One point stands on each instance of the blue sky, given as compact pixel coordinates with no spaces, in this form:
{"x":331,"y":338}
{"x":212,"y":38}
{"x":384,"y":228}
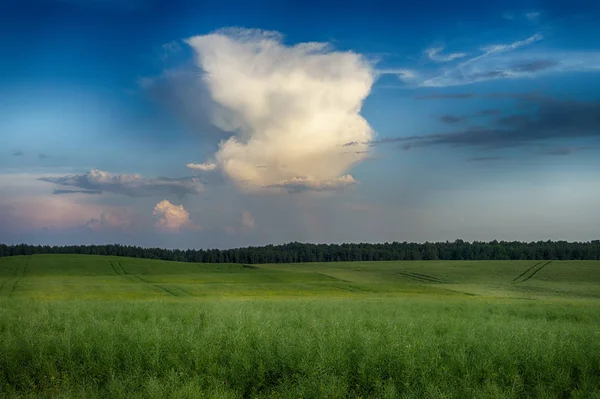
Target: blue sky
{"x":195,"y":124}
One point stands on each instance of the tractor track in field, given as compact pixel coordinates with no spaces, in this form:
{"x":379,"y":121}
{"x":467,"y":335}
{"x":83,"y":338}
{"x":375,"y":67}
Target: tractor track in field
{"x":526,"y":271}
{"x":8,"y":286}
{"x":531,"y":271}
{"x":537,"y":270}
{"x":114,"y":268}
{"x":120,"y":270}
{"x":422,"y":277}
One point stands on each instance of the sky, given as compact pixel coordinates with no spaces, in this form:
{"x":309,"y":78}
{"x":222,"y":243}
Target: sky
{"x":200,"y":124}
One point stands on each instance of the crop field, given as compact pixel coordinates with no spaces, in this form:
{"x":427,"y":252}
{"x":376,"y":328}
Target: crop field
{"x":76,"y":326}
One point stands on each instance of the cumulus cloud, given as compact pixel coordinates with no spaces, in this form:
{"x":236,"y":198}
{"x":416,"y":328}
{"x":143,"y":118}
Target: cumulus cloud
{"x":288,"y":108}
{"x":171,"y":218}
{"x":108,"y":220}
{"x":97,"y":181}
{"x":434,"y":55}
{"x":204,"y":167}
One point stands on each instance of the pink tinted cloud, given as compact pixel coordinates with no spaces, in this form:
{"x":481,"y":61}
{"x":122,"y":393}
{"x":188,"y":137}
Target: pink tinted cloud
{"x":56,"y":212}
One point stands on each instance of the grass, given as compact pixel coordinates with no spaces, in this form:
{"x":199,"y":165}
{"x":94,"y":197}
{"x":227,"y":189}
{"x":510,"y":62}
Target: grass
{"x":85,"y":326}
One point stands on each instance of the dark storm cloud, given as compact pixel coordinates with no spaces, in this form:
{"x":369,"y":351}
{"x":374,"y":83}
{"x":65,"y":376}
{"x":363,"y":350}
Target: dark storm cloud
{"x":488,"y":112}
{"x":567,"y":150}
{"x":129,"y":185}
{"x":452,"y":119}
{"x":440,"y":96}
{"x":551,"y":120}
{"x":59,"y":192}
{"x":484,"y":159}
{"x":526,"y":96}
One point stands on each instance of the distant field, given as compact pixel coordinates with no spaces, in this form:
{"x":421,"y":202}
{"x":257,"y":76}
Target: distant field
{"x":97,"y":277}
{"x":90,"y":326}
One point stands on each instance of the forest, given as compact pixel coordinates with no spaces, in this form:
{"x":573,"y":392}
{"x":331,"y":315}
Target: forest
{"x":296,"y":252}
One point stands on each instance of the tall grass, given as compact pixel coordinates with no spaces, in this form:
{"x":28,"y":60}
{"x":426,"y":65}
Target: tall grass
{"x":323,"y":348}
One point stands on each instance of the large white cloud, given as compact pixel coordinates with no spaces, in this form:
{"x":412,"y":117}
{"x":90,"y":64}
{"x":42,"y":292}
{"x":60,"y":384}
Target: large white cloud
{"x":290,"y":109}
{"x":171,"y":217}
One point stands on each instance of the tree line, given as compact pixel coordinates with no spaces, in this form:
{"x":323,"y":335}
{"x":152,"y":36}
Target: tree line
{"x":295,"y":252}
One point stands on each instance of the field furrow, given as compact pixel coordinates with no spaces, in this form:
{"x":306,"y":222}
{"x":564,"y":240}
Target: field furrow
{"x":114,"y":268}
{"x":170,"y":291}
{"x":526,"y":271}
{"x":9,"y":285}
{"x":537,"y":270}
{"x":421,"y":277}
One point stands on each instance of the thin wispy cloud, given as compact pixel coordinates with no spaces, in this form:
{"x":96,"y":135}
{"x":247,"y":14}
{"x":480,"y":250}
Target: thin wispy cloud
{"x":498,"y":48}
{"x":567,"y":150}
{"x":530,"y":16}
{"x":171,"y":47}
{"x":403,"y":73}
{"x":434,"y":54}
{"x":204,"y":167}
{"x":504,"y":61}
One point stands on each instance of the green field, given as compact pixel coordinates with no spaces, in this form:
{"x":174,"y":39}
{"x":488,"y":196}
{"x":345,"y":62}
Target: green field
{"x":90,"y":326}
